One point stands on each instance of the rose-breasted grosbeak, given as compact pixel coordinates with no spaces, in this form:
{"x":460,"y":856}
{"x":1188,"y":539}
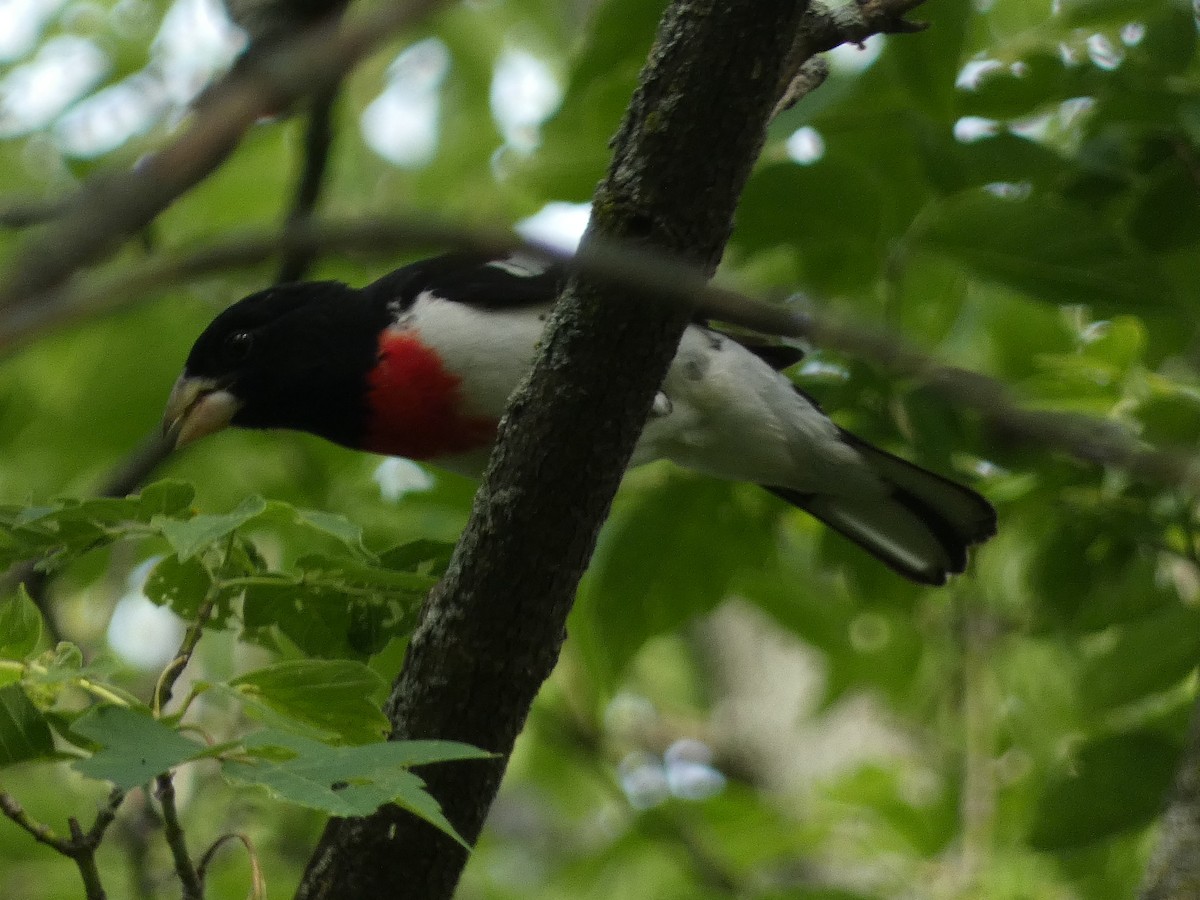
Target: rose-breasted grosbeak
{"x":422,"y":362}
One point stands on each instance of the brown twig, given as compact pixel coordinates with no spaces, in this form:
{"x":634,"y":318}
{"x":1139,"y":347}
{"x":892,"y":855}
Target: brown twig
{"x":258,"y":884}
{"x":40,"y":832}
{"x":80,"y":847}
{"x":173,"y":832}
{"x":176,"y":838}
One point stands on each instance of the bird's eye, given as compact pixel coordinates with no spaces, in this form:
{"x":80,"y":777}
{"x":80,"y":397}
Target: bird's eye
{"x":237,"y":345}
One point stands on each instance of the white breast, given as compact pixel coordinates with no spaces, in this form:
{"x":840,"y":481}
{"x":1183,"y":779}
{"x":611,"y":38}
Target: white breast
{"x":728,"y":413}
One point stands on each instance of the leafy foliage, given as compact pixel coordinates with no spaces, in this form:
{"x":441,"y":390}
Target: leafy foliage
{"x":212,"y":565}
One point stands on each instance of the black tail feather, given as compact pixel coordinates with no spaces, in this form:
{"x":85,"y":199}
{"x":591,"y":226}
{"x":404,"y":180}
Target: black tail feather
{"x":922,"y":528}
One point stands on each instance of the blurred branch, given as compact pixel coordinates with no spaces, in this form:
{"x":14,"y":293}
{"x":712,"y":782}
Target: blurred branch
{"x":114,"y":205}
{"x":1085,"y":438}
{"x":24,"y":213}
{"x":318,"y":139}
{"x":135,"y":830}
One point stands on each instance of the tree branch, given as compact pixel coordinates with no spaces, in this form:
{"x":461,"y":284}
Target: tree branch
{"x":80,"y":847}
{"x":318,"y":139}
{"x":113,"y":206}
{"x":1085,"y":438}
{"x":1174,"y":869}
{"x":490,"y":632}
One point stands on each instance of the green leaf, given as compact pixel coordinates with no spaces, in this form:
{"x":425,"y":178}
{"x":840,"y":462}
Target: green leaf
{"x":1113,"y":784}
{"x":1041,"y":246}
{"x":348,"y":781}
{"x":431,"y":556}
{"x":179,"y":584}
{"x":165,"y":498}
{"x":189,"y":537}
{"x":136,"y":746}
{"x":335,"y":607}
{"x":311,"y":529}
{"x":349,"y":533}
{"x":927,"y":68}
{"x":670,"y":552}
{"x":332,"y":695}
{"x":24,"y":734}
{"x":20,"y":626}
{"x":1166,"y":211}
{"x":1150,"y":654}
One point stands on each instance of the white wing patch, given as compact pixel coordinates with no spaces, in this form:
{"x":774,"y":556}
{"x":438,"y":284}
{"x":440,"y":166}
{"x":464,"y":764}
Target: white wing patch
{"x":520,"y":265}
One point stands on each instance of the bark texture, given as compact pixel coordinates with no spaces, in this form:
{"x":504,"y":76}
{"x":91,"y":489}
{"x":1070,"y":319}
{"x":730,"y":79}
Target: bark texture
{"x":491,"y":631}
{"x":1174,"y":870}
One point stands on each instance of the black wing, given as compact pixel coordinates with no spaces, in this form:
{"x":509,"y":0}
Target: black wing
{"x":474,"y":279}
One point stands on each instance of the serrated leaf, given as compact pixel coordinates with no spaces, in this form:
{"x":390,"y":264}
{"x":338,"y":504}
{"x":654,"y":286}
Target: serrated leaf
{"x":189,"y":537}
{"x":332,"y":695}
{"x":1114,"y":784}
{"x":179,"y":584}
{"x":348,"y":781}
{"x":24,"y":734}
{"x":311,"y":529}
{"x":20,"y":625}
{"x":335,"y":607}
{"x":136,"y":746}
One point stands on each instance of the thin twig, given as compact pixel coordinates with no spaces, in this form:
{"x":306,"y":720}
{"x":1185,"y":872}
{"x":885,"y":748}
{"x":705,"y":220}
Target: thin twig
{"x":41,"y":833}
{"x":105,"y":817}
{"x":166,"y":681}
{"x":258,"y":883}
{"x":173,"y":831}
{"x":80,"y":847}
{"x":85,"y":859}
{"x":176,"y":838}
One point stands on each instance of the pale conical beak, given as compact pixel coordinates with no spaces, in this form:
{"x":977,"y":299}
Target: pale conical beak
{"x":196,"y":407}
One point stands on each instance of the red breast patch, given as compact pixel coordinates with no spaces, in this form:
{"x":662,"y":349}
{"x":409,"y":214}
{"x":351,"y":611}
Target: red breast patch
{"x":416,"y":404}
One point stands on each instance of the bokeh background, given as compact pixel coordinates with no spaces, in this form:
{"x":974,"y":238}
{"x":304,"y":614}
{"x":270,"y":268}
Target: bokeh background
{"x":746,"y":706}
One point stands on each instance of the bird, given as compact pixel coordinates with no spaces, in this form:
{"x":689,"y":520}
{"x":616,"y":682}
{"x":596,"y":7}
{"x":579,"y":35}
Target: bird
{"x":421,"y":362}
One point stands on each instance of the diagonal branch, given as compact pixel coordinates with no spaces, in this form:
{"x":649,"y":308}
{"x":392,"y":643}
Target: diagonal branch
{"x":491,"y":631}
{"x":115,"y":205}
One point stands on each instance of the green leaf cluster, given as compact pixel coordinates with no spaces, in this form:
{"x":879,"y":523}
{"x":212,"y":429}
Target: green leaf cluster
{"x":322,"y":746}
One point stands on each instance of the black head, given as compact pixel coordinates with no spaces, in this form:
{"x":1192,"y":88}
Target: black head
{"x":295,"y":356}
